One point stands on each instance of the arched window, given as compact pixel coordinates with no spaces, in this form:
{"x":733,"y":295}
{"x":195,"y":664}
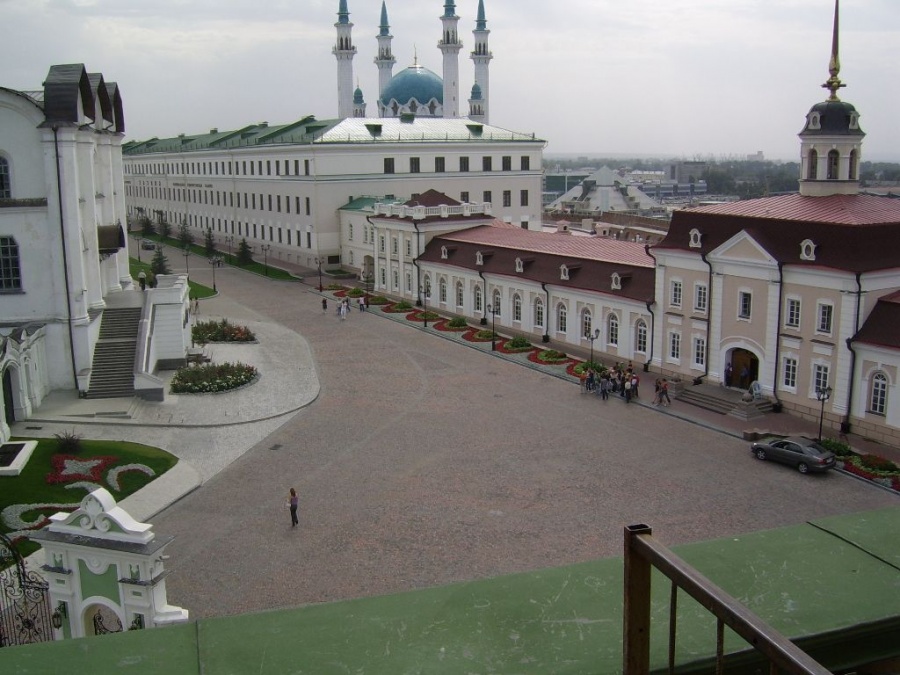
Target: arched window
{"x":517,"y":308}
{"x":10,"y":274}
{"x":459,"y":294}
{"x":478,"y":299}
{"x":561,"y":313}
{"x":442,"y":289}
{"x":854,"y":163}
{"x":612,"y":330}
{"x":586,"y":322}
{"x":812,"y":168}
{"x":539,"y":312}
{"x":5,"y":187}
{"x":427,"y":285}
{"x":878,"y":400}
{"x":833,"y":158}
{"x":640,"y":337}
{"x":496,"y":301}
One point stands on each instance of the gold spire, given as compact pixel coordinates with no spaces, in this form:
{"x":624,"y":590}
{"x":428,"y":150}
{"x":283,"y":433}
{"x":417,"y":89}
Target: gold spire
{"x":834,"y":64}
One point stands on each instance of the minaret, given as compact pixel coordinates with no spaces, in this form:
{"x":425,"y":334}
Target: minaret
{"x":831,"y":140}
{"x":385,"y":59}
{"x":476,"y":105}
{"x":482,"y":56}
{"x":359,"y":104}
{"x":450,"y":46}
{"x":344,"y":51}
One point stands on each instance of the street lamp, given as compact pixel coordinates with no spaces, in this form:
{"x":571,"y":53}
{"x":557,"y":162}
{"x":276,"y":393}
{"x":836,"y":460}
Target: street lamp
{"x":215,"y":261}
{"x":265,"y":249}
{"x":592,"y":337}
{"x":493,"y":310}
{"x":229,"y":240}
{"x":823,"y":394}
{"x":186,"y":252}
{"x":425,"y":305}
{"x":319,"y":262}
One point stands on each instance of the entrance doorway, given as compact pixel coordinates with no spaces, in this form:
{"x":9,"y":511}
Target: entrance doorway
{"x":9,"y":409}
{"x":744,"y":368}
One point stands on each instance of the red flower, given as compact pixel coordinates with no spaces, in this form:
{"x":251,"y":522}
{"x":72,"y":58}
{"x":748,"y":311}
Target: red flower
{"x":69,"y":468}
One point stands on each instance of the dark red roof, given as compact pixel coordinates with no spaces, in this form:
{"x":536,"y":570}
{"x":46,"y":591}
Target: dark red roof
{"x":855,"y":233}
{"x":882,"y":326}
{"x":591,"y":260}
{"x":433,"y":198}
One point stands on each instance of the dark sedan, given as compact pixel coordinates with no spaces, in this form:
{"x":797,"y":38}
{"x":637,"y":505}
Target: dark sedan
{"x":803,"y":453}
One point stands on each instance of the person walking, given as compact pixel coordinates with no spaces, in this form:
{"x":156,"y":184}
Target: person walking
{"x":664,"y":393}
{"x":293,"y":503}
{"x":324,"y":305}
{"x":727,"y":381}
{"x":604,"y":386}
{"x":142,"y":280}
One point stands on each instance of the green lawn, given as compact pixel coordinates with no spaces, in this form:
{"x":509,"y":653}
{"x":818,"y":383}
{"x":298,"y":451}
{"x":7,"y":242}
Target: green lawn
{"x":35,"y":484}
{"x":197,"y":290}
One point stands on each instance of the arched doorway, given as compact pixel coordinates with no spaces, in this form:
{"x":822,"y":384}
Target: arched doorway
{"x":9,"y":407}
{"x":100,"y":620}
{"x":744,"y":367}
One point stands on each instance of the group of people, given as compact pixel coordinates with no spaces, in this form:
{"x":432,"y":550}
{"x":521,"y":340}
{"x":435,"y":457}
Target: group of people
{"x":623,"y":381}
{"x":343,"y":307}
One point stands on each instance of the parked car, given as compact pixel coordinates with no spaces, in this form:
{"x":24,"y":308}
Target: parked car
{"x":148,"y":244}
{"x":803,"y":453}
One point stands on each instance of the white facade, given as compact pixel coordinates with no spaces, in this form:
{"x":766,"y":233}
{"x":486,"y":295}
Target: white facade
{"x":288,"y":194}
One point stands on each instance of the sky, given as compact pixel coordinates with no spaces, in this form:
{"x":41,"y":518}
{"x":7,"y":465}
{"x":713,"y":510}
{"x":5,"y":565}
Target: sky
{"x":667,"y":78}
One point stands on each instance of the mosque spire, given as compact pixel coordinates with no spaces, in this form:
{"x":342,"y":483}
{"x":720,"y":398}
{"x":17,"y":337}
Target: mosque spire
{"x":481,"y":56}
{"x":343,"y":12}
{"x":449,"y":44}
{"x":480,"y":21}
{"x":344,"y":51}
{"x":834,"y":64}
{"x":384,"y":60}
{"x":385,"y":27}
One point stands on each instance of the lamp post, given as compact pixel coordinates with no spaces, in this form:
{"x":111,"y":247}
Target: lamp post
{"x":229,"y":240}
{"x":823,"y":394}
{"x":215,"y":261}
{"x":319,"y":262}
{"x":186,"y":252}
{"x":425,"y":305}
{"x":592,"y":336}
{"x":265,"y":249}
{"x":493,"y":311}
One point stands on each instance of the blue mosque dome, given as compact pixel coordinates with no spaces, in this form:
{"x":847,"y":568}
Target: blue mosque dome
{"x":416,"y":82}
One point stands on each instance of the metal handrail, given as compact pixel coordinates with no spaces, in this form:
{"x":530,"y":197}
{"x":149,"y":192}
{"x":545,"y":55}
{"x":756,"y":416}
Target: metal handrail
{"x":642,"y":553}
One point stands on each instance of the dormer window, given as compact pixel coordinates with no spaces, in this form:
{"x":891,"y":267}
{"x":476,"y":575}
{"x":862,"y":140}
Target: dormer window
{"x":444,"y":255}
{"x":807,"y":250}
{"x":564,"y":272}
{"x":616,"y":281}
{"x":854,"y":120}
{"x":695,"y":238}
{"x":479,"y":259}
{"x":520,"y":266}
{"x":815,"y":121}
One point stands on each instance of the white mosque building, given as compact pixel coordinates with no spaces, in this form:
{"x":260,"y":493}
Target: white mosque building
{"x":415,"y":90}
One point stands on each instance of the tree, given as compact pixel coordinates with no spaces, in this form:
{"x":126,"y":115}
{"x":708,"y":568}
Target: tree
{"x":147,"y":227}
{"x":209,"y":244}
{"x":159,"y":264}
{"x":245,"y":253}
{"x":165,"y":230}
{"x":185,"y":236}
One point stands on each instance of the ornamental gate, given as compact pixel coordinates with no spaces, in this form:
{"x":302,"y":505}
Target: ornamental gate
{"x":24,"y":605}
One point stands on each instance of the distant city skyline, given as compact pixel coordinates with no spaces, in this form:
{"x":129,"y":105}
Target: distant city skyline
{"x":678,"y":79}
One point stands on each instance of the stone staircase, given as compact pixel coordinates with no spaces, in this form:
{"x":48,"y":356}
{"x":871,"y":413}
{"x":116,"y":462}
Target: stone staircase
{"x":724,"y":401}
{"x":112,"y":373}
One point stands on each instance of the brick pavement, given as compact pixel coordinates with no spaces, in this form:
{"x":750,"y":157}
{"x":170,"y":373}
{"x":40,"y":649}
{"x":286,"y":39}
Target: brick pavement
{"x":422,"y":463}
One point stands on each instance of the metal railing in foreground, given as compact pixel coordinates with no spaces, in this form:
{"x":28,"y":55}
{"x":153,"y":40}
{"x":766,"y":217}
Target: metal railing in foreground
{"x":642,"y":554}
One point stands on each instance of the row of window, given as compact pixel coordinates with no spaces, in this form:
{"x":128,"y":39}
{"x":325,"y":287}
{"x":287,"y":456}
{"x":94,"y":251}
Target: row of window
{"x":272,"y":203}
{"x":440,"y":164}
{"x":824,"y":312}
{"x":249,"y":230}
{"x":221,"y":168}
{"x":832,"y":166}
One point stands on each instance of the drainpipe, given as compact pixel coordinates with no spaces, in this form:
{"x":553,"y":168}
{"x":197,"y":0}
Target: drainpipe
{"x":62,"y":238}
{"x":545,"y":338}
{"x":374,"y":252}
{"x":419,"y":290}
{"x":777,"y":405}
{"x":652,"y":315}
{"x":709,"y":304}
{"x":845,"y":423}
{"x":483,"y":320}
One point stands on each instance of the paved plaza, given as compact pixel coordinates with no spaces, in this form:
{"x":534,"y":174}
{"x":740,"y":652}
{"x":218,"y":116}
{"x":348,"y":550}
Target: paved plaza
{"x":420,"y":461}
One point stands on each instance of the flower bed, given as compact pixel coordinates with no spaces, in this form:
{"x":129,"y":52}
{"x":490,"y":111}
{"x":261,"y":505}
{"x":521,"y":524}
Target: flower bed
{"x":550,"y":357}
{"x":378,"y":300}
{"x":212,"y":377}
{"x":517,"y":345}
{"x":477,"y":335}
{"x":397,"y":308}
{"x":861,"y":465}
{"x":220,"y":331}
{"x":422,"y":316}
{"x":444,"y":325}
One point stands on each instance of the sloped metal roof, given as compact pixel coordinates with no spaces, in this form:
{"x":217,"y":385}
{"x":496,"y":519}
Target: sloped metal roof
{"x":420,"y":129}
{"x":836,"y":209}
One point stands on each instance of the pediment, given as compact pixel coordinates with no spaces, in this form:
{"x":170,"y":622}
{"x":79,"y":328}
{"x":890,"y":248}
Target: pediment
{"x":99,"y":517}
{"x":743,"y":248}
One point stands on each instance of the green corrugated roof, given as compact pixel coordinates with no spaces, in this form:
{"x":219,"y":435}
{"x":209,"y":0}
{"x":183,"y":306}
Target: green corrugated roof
{"x":361,"y":203}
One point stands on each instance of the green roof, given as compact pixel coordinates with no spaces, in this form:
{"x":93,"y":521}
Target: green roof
{"x":832,"y":585}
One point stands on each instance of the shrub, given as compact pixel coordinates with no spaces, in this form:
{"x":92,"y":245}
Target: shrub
{"x":485,"y":335}
{"x":212,"y":377}
{"x":552,"y":355}
{"x":68,"y":442}
{"x":599,"y":368}
{"x":403,"y":306}
{"x":877,"y":463}
{"x":221,"y":331}
{"x":377,"y":300}
{"x":837,"y":447}
{"x":457,"y":322}
{"x":518,"y":342}
{"x":334,"y":287}
{"x":356,"y":293}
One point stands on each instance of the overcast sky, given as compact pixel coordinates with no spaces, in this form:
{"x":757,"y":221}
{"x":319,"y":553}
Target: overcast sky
{"x":648,"y":77}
